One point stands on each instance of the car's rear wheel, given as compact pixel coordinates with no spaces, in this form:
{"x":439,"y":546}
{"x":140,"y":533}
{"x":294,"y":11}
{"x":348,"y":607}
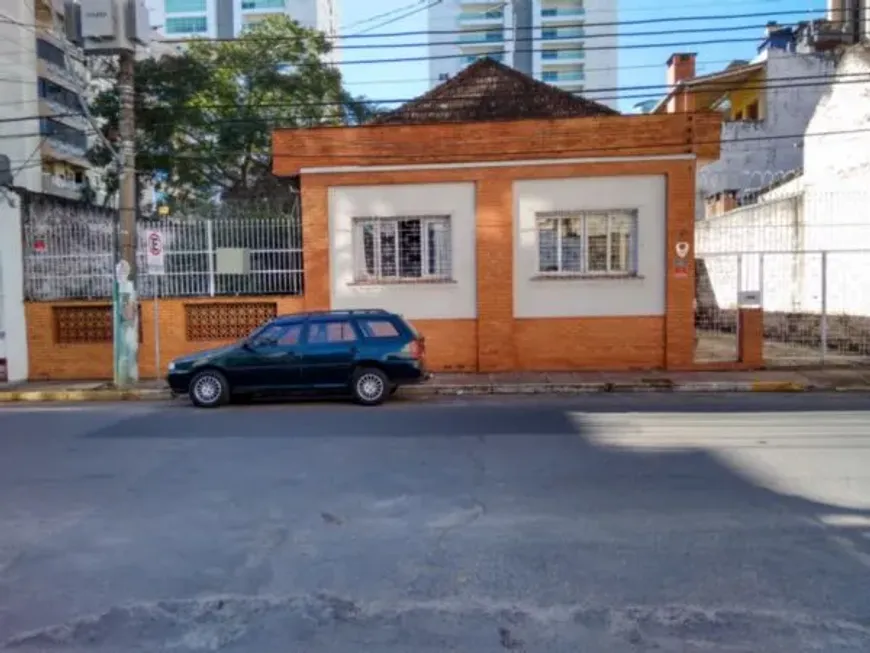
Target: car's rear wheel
{"x":209,"y":389}
{"x":370,"y":386}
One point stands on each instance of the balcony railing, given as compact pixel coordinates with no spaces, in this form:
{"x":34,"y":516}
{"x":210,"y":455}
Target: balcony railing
{"x":557,"y":34}
{"x":558,"y":13}
{"x":481,"y":37}
{"x":67,"y":148}
{"x":481,"y":15}
{"x":497,"y":56}
{"x":560,"y":55}
{"x":63,"y":73}
{"x":248,"y":5}
{"x":54,"y":185}
{"x":550,"y":76}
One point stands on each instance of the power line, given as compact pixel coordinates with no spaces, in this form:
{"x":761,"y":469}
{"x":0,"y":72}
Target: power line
{"x":587,"y":24}
{"x":805,"y":81}
{"x":612,"y":23}
{"x":585,"y":37}
{"x":495,"y":145}
{"x":385,"y":14}
{"x":500,"y":50}
{"x":400,"y":17}
{"x":711,"y":62}
{"x":548,"y":153}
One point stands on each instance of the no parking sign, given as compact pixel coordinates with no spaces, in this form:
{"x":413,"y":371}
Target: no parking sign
{"x":156,"y":256}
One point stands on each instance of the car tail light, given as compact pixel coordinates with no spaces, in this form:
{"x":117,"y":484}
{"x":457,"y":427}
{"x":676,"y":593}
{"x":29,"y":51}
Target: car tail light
{"x":416,"y":349}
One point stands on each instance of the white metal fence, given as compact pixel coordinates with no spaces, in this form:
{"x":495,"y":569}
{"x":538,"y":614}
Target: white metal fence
{"x":75,"y":260}
{"x":808,"y":253}
{"x":816,"y":304}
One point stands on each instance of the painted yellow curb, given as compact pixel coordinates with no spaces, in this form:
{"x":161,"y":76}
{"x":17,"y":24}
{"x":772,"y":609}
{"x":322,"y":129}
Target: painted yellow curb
{"x":25,"y":396}
{"x":778,"y":386}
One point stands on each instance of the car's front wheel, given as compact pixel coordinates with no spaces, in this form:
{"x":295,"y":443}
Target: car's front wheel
{"x":209,"y":389}
{"x":370,"y":386}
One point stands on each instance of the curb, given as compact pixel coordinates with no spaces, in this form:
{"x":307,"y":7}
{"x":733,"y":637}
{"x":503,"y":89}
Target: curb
{"x":37,"y":396}
{"x":471,"y":389}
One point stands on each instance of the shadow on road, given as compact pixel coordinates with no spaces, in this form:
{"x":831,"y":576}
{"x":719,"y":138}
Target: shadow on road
{"x":484,"y":528}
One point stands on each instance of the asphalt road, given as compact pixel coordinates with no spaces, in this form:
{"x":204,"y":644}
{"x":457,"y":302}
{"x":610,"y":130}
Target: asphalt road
{"x":611,"y":524}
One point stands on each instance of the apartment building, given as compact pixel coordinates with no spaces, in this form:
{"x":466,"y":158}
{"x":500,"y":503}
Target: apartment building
{"x":44,"y":130}
{"x":568,"y":43}
{"x":45,"y":135}
{"x":183,"y":19}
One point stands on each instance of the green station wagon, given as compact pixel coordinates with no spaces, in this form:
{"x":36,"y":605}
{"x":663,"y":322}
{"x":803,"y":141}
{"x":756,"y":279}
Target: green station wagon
{"x":365,"y":353}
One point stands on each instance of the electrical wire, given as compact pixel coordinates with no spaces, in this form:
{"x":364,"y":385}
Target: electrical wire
{"x":386,"y":14}
{"x":401,"y":17}
{"x":587,"y":24}
{"x":805,"y":81}
{"x":535,"y":39}
{"x":419,"y":80}
{"x":526,"y":154}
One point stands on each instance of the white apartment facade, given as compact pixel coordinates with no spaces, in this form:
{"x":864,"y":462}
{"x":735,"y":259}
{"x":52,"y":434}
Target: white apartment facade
{"x":184,"y":19}
{"x":45,"y":135}
{"x":571,"y":44}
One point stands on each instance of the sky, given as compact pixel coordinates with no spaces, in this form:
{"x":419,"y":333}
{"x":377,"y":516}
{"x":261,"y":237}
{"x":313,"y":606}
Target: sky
{"x":638,"y":66}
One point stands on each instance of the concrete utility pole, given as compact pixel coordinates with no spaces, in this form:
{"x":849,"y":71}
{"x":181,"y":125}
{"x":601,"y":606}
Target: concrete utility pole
{"x":117,"y":27}
{"x":126,"y":301}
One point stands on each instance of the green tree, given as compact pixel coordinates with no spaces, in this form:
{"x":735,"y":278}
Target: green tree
{"x":205,"y":115}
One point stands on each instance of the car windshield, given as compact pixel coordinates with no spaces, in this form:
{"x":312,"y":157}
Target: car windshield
{"x":257,"y":334}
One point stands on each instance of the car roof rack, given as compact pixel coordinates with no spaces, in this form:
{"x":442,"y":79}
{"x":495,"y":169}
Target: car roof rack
{"x":338,"y":312}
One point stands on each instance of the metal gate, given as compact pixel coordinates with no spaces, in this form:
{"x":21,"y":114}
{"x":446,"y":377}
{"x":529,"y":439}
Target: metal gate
{"x":816,"y":305}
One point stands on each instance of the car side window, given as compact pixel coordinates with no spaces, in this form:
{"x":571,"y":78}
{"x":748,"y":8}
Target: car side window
{"x":268,"y":336}
{"x":291,"y":335}
{"x":278,"y":334}
{"x":321,"y":333}
{"x":378,"y":329}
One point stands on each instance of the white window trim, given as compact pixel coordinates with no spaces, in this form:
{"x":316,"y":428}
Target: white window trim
{"x":584,"y":271}
{"x":358,"y":248}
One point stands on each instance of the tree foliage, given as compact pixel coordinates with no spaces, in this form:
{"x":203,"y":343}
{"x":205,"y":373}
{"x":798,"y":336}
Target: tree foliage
{"x":205,"y":114}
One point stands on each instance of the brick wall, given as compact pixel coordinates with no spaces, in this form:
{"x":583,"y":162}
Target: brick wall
{"x":504,"y":343}
{"x":52,"y":360}
{"x":619,"y":136}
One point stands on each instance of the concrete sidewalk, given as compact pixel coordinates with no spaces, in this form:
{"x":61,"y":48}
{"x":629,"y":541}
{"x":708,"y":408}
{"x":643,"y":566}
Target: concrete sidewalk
{"x":803,"y":380}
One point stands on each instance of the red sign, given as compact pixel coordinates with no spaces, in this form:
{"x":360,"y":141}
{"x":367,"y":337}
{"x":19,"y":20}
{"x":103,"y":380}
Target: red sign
{"x":39,"y":246}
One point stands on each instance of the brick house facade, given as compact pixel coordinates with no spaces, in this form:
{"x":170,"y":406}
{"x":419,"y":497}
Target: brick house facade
{"x":562,"y":221}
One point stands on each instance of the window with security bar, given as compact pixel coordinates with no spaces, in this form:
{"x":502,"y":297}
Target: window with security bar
{"x":403,"y":248}
{"x":597,"y":243}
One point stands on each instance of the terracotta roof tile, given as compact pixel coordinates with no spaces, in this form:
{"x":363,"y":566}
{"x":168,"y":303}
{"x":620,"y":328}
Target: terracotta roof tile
{"x":488,"y":90}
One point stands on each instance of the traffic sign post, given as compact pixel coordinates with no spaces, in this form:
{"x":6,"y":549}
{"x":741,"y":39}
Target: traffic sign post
{"x":156,"y":266}
{"x":155,"y":259}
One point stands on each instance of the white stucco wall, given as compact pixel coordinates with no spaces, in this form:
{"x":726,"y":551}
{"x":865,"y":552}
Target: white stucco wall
{"x":779,"y":244}
{"x":644,"y":295}
{"x":757,"y":154}
{"x":449,"y":300}
{"x":19,"y":140}
{"x":842,"y":159}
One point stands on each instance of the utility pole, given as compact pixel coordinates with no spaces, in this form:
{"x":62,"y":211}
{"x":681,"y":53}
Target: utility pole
{"x":117,"y":27}
{"x":125,"y":296}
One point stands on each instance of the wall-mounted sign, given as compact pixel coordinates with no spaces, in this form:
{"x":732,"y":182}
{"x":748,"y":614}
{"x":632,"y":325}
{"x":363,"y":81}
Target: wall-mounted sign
{"x":682,"y":249}
{"x":749,"y":298}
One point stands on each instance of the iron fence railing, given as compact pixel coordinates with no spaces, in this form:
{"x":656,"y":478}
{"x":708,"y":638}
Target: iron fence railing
{"x":76,"y":260}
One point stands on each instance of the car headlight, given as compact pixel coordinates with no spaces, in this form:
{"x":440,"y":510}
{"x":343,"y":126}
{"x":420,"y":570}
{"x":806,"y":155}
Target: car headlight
{"x":172,"y":366}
